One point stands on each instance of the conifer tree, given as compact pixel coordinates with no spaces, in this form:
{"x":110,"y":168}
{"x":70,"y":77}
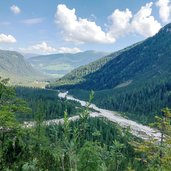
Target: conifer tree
{"x":156,"y":153}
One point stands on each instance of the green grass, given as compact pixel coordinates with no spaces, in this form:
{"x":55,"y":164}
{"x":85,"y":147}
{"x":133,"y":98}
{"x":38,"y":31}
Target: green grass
{"x":57,"y":67}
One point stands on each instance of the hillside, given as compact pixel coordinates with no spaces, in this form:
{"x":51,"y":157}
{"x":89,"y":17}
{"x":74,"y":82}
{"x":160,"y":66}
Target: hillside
{"x":28,"y":55}
{"x":13,"y":66}
{"x":57,"y":65}
{"x":136,"y":81}
{"x":79,"y":74}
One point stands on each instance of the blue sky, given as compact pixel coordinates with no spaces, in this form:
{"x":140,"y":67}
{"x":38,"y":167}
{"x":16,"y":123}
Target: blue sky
{"x":56,"y":26}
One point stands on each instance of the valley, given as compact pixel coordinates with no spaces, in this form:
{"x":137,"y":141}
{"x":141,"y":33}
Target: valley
{"x":57,"y":65}
{"x":19,"y":71}
{"x":85,"y":85}
{"x":143,"y":69}
{"x":138,"y":130}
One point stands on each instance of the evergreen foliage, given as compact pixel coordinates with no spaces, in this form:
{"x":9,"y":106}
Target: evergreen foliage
{"x":88,"y":144}
{"x":51,"y":106}
{"x":135,"y":81}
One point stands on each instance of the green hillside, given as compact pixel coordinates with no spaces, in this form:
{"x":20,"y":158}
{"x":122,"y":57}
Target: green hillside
{"x":79,"y":74}
{"x":137,"y":81}
{"x":58,"y":65}
{"x":13,"y":66}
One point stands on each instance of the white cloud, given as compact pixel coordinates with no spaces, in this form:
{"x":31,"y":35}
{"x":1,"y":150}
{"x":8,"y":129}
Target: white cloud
{"x":78,"y":29}
{"x":44,"y":48}
{"x":121,"y":23}
{"x":144,"y":23}
{"x":7,"y":38}
{"x":68,"y":50}
{"x":164,"y":10}
{"x":32,"y":21}
{"x":15,"y":9}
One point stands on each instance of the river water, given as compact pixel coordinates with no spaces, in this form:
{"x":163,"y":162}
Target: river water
{"x":137,"y":129}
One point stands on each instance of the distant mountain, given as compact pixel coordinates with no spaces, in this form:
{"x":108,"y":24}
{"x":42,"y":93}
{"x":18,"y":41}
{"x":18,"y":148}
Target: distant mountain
{"x":137,"y":80}
{"x":29,"y":55}
{"x":79,"y":74}
{"x":13,"y":66}
{"x":58,"y":65}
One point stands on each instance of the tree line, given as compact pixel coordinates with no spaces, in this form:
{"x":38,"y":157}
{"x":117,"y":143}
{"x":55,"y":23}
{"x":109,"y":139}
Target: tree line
{"x":89,"y":144}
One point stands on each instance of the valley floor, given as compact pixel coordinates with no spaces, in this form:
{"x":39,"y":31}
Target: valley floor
{"x":137,"y":129}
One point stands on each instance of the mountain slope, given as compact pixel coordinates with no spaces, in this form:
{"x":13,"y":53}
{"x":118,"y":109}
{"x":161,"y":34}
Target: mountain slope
{"x":137,"y":81}
{"x":58,"y":65}
{"x":13,"y":66}
{"x":145,"y":60}
{"x":78,"y":75}
{"x":29,"y":55}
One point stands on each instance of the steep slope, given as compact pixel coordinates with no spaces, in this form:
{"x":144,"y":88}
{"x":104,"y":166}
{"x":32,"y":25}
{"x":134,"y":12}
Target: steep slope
{"x":146,"y":60}
{"x":78,"y":75}
{"x":29,"y":55}
{"x":137,"y":81}
{"x":58,"y":65}
{"x":13,"y":66}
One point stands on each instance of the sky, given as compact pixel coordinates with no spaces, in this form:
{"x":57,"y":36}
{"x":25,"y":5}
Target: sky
{"x":71,"y":26}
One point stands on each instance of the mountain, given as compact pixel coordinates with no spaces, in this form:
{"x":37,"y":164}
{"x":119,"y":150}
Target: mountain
{"x":79,"y":74}
{"x":136,"y":81}
{"x":29,"y":55}
{"x":58,"y":65}
{"x":13,"y":66}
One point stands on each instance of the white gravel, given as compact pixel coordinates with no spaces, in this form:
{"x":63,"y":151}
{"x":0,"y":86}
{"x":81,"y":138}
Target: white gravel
{"x":137,"y":129}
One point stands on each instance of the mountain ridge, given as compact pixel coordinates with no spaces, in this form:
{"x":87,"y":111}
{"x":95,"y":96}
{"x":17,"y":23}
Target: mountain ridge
{"x":60,"y":64}
{"x":13,"y":66}
{"x":130,"y":64}
{"x":136,"y":82}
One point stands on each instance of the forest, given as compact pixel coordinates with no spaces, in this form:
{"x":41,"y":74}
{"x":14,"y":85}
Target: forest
{"x":89,"y":144}
{"x":134,"y":81}
{"x":141,"y":102}
{"x":46,"y":102}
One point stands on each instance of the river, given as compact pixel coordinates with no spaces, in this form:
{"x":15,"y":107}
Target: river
{"x":137,"y":129}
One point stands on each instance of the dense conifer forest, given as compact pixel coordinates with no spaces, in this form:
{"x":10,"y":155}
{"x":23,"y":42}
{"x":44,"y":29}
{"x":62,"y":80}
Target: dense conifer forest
{"x":89,"y":144}
{"x":134,"y":81}
{"x":85,"y":85}
{"x":139,"y":103}
{"x":46,"y":102}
